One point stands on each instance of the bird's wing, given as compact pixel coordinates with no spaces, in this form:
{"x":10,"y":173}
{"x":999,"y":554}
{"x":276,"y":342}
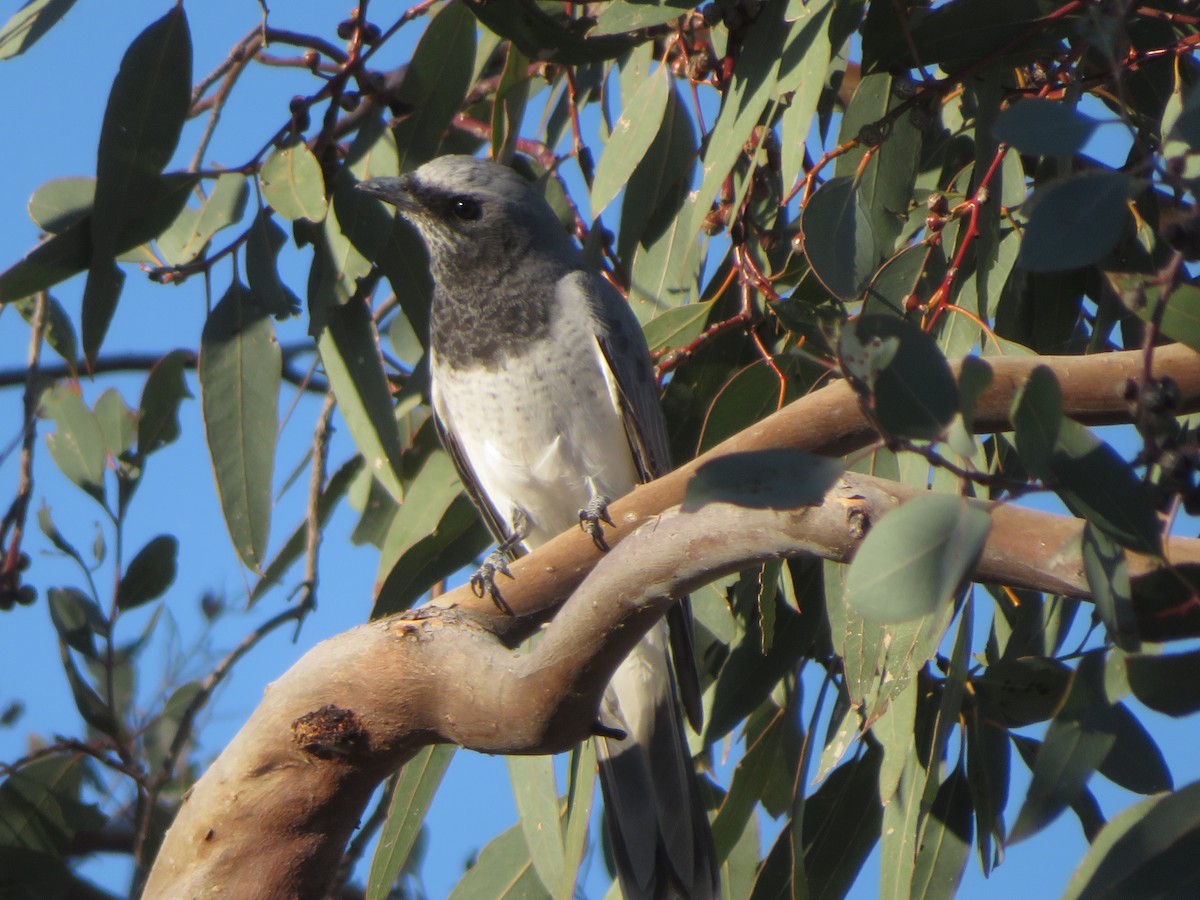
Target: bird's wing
{"x":623,"y":353}
{"x":500,"y":529}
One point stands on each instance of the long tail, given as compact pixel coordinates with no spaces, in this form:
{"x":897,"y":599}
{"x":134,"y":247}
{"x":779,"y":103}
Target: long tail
{"x":657,"y":823}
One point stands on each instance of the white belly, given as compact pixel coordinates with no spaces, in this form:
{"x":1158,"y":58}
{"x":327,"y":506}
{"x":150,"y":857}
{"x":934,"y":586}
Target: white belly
{"x":543,"y":436}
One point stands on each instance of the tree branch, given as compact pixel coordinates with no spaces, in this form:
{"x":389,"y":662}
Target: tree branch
{"x":274,"y":811}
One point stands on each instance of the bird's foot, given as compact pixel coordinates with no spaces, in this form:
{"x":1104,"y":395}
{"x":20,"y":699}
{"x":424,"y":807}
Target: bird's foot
{"x":484,"y":579}
{"x":590,"y":518}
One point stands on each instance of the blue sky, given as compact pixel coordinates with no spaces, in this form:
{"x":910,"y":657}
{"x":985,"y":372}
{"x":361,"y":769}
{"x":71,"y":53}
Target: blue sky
{"x":53,"y":100}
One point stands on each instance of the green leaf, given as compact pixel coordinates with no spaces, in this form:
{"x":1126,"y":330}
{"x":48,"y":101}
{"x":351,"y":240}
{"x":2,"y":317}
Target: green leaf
{"x":966,"y":31}
{"x":623,"y":16}
{"x":1108,"y":577}
{"x":1022,"y":690}
{"x":750,"y":674}
{"x":884,"y":185}
{"x":69,"y":253}
{"x":1186,"y":123}
{"x":147,"y":106}
{"x":149,"y":573}
{"x":916,"y":558}
{"x":503,"y":871}
{"x":62,"y":202}
{"x":458,"y":539}
{"x":190,"y":234}
{"x":841,"y":825}
{"x":749,"y":781}
{"x":240,"y":373}
{"x":41,"y":810}
{"x":988,"y":755}
{"x":100,"y":294}
{"x":839,"y":239}
{"x":1169,"y":683}
{"x":349,"y":350}
{"x":536,"y":797}
{"x":900,"y":832}
{"x":1150,"y":846}
{"x":581,"y":789}
{"x":1097,"y":484}
{"x":292,"y":549}
{"x":545,"y":31}
{"x":27,"y":25}
{"x":435,"y":85}
{"x":802,"y":71}
{"x":91,"y":707}
{"x":1037,"y":418}
{"x":752,"y":88}
{"x":675,"y":328}
{"x":118,"y":423}
{"x":1044,"y":127}
{"x":50,"y":530}
{"x":908,"y":384}
{"x":1077,"y":742}
{"x":945,"y":840}
{"x":56,"y":327}
{"x":292,"y":183}
{"x":914,"y":271}
{"x":164,"y":391}
{"x":1180,"y":315}
{"x":263,"y":244}
{"x":77,"y":619}
{"x":763,"y":479}
{"x":1075,"y":221}
{"x":1135,"y":761}
{"x":632,"y":135}
{"x":411,"y":798}
{"x":77,"y":444}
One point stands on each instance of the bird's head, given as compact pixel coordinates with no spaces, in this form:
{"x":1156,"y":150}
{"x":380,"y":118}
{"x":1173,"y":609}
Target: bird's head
{"x":473,"y":212}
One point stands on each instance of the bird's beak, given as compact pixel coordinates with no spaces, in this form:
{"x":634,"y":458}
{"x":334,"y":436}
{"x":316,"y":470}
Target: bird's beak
{"x":396,"y":191}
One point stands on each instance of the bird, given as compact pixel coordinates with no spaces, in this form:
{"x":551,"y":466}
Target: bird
{"x":544,"y":396}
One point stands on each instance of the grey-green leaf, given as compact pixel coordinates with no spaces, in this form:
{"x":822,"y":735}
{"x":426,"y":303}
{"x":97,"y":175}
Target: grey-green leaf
{"x":1044,"y":127}
{"x":916,"y":558}
{"x":839,"y":239}
{"x":27,"y":25}
{"x":1152,"y":842}
{"x":411,"y":798}
{"x":292,"y":183}
{"x":77,"y":445}
{"x":1075,"y":221}
{"x":349,"y":349}
{"x":632,"y":134}
{"x":240,"y":373}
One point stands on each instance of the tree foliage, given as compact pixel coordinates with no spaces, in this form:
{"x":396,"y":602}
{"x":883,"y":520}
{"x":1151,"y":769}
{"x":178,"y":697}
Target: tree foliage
{"x":789,"y":193}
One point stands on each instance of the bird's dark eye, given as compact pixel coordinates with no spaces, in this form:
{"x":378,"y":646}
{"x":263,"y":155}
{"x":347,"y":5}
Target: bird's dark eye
{"x":466,"y":208}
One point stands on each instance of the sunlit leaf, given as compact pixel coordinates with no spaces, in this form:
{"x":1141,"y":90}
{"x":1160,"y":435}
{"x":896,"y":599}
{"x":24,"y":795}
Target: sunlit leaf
{"x":411,"y":797}
{"x":916,"y":558}
{"x":292,"y":183}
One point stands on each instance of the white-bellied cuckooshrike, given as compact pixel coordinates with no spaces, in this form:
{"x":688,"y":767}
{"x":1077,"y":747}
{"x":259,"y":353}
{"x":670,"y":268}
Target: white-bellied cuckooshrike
{"x":546,"y":400}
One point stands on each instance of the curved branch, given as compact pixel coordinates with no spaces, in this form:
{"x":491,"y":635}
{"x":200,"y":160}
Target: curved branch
{"x":274,"y":811}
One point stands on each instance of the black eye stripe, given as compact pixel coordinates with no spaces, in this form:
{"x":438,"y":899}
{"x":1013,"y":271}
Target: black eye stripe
{"x":466,"y":208}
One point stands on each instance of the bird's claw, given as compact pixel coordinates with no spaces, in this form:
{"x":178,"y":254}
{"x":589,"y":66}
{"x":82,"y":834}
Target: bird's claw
{"x":590,"y":518}
{"x":484,"y":579}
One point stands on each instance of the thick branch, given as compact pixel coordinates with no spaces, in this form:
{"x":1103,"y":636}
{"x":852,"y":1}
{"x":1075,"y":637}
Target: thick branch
{"x":273,"y":813}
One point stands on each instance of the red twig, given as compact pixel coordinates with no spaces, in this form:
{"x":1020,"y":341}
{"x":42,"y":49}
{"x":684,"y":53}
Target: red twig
{"x":970,"y":207}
